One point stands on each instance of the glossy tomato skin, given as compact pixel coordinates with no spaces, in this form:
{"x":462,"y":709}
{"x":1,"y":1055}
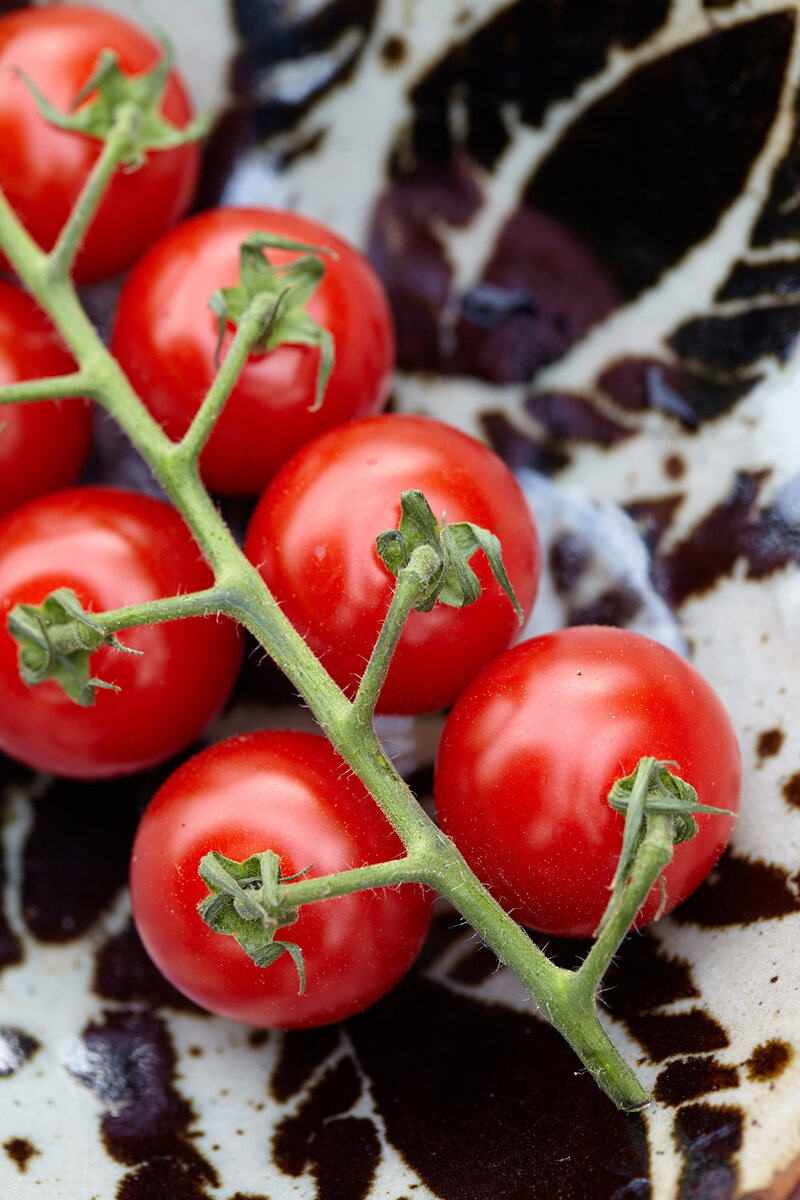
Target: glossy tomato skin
{"x":288,"y":792}
{"x":313,"y":533}
{"x":45,"y":445}
{"x":42,"y":168}
{"x":113,"y":548}
{"x":165,"y":337}
{"x":529,"y":754}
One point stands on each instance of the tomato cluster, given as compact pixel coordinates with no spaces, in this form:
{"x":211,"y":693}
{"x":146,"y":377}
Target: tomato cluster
{"x":530,"y":752}
{"x":313,"y":534}
{"x":538,"y":732}
{"x":290,"y":792}
{"x":43,"y":445}
{"x":43,"y":169}
{"x":165,"y":338}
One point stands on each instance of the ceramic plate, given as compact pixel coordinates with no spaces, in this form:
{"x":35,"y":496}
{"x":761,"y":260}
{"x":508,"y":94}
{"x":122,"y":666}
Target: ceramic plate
{"x":587,"y":218}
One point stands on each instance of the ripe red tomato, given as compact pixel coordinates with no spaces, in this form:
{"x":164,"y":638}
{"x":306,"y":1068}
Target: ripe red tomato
{"x":529,"y":754}
{"x":43,"y":446}
{"x":113,"y":548}
{"x":312,"y":537}
{"x":166,"y":339}
{"x":42,"y":168}
{"x":288,"y":792}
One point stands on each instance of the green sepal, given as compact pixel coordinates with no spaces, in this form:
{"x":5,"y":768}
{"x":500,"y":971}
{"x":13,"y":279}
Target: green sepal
{"x":455,"y":584}
{"x":245,"y":902}
{"x":291,"y":285}
{"x":666,"y":794}
{"x":113,"y":88}
{"x":56,"y":640}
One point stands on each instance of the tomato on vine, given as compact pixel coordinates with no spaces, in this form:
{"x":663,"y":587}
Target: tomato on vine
{"x":166,"y":338}
{"x":43,"y":445}
{"x":313,"y":533}
{"x":57,"y":48}
{"x":531,"y":749}
{"x":288,"y":792}
{"x":113,"y":548}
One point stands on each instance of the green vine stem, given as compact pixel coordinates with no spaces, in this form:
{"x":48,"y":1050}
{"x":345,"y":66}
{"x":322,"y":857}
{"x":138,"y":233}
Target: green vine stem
{"x":54,"y":387}
{"x":250,"y":331}
{"x":63,"y":254}
{"x":67,"y":636}
{"x":412,"y":582}
{"x":566,"y":998}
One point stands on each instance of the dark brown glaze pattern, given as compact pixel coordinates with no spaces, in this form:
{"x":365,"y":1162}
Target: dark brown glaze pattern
{"x":746,"y":280}
{"x":410,"y":258}
{"x":769,"y":743}
{"x":128,"y":1060}
{"x":712,"y":102}
{"x":540,"y":291}
{"x":664,"y":1034}
{"x":76,"y":855}
{"x":328,"y":38}
{"x":124,"y":973}
{"x":301,"y":1054}
{"x":769,"y":1060}
{"x":791,"y":790}
{"x":708,"y":1137}
{"x":687,"y":1079}
{"x":461,"y":1084}
{"x":724,"y":535}
{"x":19,"y":1150}
{"x":733,"y":343}
{"x":11,"y":951}
{"x":741,"y":891}
{"x":16,"y":1048}
{"x":575,"y":419}
{"x":531,"y":54}
{"x":340,"y":1150}
{"x":607,"y":241}
{"x":520,"y":450}
{"x":780,"y":216}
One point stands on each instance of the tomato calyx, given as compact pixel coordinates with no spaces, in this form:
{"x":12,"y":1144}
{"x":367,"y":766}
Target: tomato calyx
{"x":290,"y":286}
{"x":454,"y":583}
{"x":651,"y":795}
{"x":56,"y":640}
{"x":111,"y":92}
{"x":246,"y":901}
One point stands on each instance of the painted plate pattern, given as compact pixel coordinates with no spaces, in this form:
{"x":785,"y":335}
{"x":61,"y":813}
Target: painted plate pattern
{"x":587,"y":217}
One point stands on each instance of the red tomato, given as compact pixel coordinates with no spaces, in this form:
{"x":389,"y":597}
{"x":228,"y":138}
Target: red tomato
{"x":42,"y":168}
{"x":166,"y":340}
{"x":43,"y":446}
{"x":113,"y":548}
{"x":313,"y":534}
{"x":529,"y":754}
{"x":290,"y":793}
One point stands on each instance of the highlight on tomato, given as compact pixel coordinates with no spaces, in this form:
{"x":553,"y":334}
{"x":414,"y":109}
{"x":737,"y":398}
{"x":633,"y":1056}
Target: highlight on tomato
{"x":532,"y":748}
{"x":167,"y":341}
{"x":57,"y":47}
{"x":112,"y":548}
{"x":288,"y":792}
{"x":43,"y":445}
{"x":312,"y":537}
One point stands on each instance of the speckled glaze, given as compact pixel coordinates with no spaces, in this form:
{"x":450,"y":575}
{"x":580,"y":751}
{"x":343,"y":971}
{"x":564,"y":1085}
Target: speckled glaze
{"x":587,"y":217}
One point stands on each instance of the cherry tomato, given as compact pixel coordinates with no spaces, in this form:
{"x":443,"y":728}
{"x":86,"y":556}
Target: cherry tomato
{"x":313,"y":533}
{"x":288,"y":792}
{"x":42,"y":168}
{"x":166,"y":340}
{"x":113,"y":548}
{"x":531,"y":749}
{"x":45,"y":445}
